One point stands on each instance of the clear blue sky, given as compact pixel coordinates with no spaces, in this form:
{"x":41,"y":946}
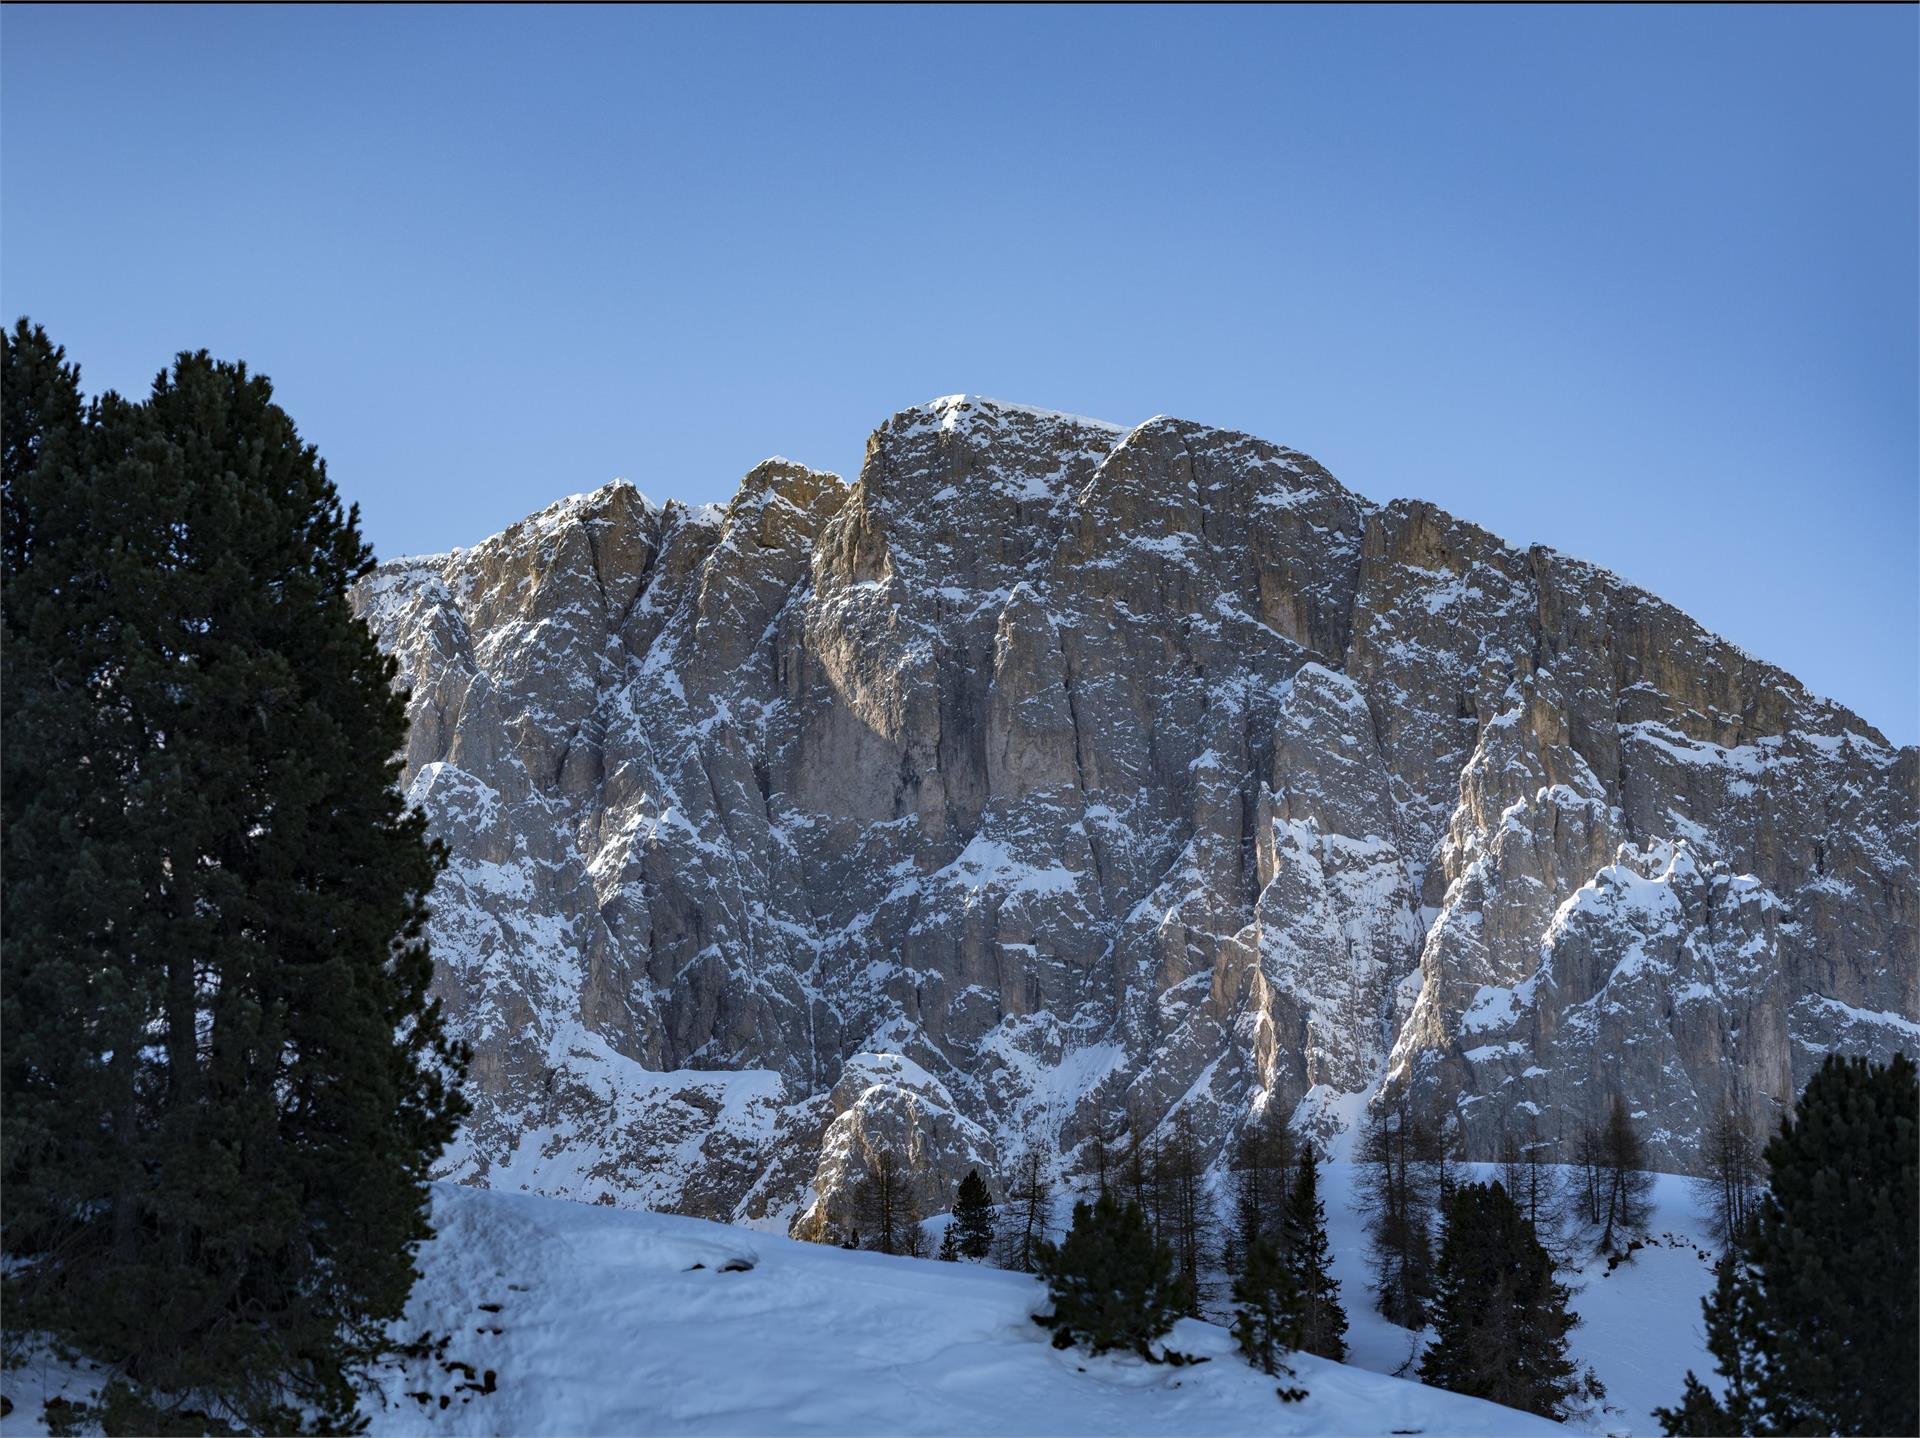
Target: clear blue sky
{"x":1638,"y":283}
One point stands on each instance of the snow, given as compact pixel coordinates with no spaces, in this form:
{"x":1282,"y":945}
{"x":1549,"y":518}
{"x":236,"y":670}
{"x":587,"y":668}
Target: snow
{"x":596,"y":1320}
{"x":1866,"y":1016}
{"x":606,"y":1326}
{"x":948,"y":409}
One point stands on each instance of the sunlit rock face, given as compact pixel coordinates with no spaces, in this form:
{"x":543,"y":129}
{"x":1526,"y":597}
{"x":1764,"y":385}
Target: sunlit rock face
{"x":1056,"y":777}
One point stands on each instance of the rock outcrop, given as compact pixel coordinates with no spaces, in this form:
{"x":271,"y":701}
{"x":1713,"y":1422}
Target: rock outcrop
{"x":1056,"y":777}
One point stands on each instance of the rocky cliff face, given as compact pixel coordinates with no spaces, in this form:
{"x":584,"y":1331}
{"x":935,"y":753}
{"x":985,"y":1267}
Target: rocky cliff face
{"x":1056,"y":777}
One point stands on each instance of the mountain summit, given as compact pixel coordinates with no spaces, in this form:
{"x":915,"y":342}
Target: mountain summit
{"x":1057,"y":777}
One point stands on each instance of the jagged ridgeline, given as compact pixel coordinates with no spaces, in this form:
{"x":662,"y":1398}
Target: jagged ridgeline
{"x":1057,"y":776}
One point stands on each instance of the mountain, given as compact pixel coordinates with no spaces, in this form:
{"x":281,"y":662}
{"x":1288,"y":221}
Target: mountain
{"x":1056,"y":777}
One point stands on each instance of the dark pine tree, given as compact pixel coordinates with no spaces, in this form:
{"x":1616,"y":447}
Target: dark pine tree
{"x":227,"y":1200}
{"x":1500,"y":1316}
{"x":66,"y":996}
{"x":1266,"y":1320}
{"x":1188,"y":1214}
{"x":1814,"y":1322}
{"x":1112,"y":1283}
{"x":949,"y":1244}
{"x":1308,"y":1257}
{"x":974,"y":1216}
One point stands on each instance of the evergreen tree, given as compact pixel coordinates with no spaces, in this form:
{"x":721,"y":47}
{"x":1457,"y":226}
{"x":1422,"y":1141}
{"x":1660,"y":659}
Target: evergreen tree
{"x":1111,"y":1281}
{"x":225,"y":1080}
{"x":1500,"y":1316}
{"x":974,"y":1216}
{"x":949,"y":1244}
{"x":1266,"y":1319}
{"x":1308,"y":1257}
{"x":1814,"y":1321}
{"x":70,"y":992}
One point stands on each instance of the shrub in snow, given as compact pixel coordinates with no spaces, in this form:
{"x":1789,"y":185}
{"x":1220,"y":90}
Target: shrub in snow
{"x":1111,"y":1282}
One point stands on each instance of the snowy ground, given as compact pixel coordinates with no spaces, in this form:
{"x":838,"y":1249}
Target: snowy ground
{"x":572,"y":1319}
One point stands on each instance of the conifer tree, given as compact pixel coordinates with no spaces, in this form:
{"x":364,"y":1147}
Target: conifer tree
{"x":949,"y":1244}
{"x":974,"y":1216}
{"x":1308,"y":1257}
{"x":223,"y":1151}
{"x":1266,"y":1320}
{"x":1500,"y":1316}
{"x":1815,"y":1321}
{"x":1112,"y":1283}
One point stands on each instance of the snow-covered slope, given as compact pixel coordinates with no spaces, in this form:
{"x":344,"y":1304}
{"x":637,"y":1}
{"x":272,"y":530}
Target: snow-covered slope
{"x":567,"y":1318}
{"x":1057,"y":777}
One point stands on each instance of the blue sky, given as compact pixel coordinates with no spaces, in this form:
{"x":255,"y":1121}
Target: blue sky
{"x":1638,"y":283}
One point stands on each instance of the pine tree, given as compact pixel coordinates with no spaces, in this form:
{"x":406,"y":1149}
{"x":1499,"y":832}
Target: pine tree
{"x":224,"y":1156}
{"x":1814,"y":1321}
{"x":1111,"y":1281}
{"x":1500,"y":1316}
{"x":974,"y":1216}
{"x":1266,"y":1320}
{"x":1308,"y":1257}
{"x":949,"y":1244}
{"x":69,"y":994}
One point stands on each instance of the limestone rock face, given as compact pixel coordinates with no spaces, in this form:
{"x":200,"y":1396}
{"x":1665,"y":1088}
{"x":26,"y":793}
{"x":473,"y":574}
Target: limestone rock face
{"x":1056,"y":777}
